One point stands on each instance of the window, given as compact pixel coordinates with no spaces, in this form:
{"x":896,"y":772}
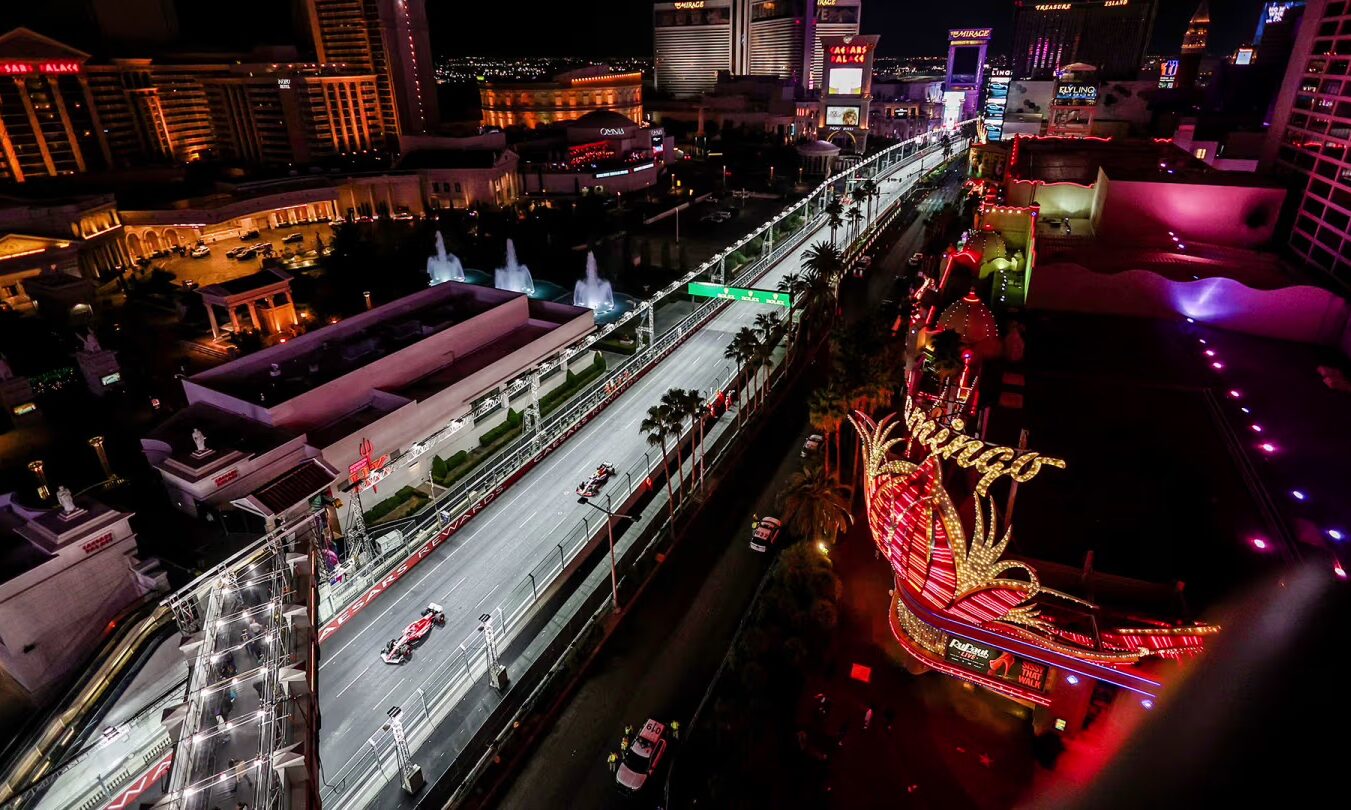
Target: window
{"x":457,"y":188}
{"x":1201,"y":153}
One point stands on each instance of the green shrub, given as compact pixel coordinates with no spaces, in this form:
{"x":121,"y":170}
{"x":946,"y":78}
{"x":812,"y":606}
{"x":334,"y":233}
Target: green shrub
{"x":390,"y":504}
{"x":439,"y":468}
{"x":512,"y":423}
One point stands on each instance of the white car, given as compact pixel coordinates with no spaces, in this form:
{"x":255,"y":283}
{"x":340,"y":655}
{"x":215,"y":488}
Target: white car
{"x":291,"y":238}
{"x":201,"y":252}
{"x":642,"y":758}
{"x":916,"y":259}
{"x":765,"y":533}
{"x":812,"y":444}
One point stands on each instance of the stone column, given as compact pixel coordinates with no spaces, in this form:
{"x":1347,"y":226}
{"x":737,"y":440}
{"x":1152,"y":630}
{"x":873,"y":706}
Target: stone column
{"x":211,"y":316}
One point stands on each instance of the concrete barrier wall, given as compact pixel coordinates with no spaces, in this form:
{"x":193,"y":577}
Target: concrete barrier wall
{"x":1300,"y":313}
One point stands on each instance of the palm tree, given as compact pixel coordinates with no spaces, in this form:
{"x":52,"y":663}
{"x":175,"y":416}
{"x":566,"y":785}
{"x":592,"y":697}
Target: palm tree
{"x":739,"y":352}
{"x":673,"y":409}
{"x":834,"y":217}
{"x":855,"y":220}
{"x":655,"y":427}
{"x":693,"y":403}
{"x":761,"y":362}
{"x":825,"y":416}
{"x":768,"y":327}
{"x":814,"y":504}
{"x":748,"y":347}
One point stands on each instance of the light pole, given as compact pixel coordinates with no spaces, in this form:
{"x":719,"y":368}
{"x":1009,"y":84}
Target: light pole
{"x":610,"y":530}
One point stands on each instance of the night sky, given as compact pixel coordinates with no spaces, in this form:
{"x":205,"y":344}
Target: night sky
{"x":908,"y":27}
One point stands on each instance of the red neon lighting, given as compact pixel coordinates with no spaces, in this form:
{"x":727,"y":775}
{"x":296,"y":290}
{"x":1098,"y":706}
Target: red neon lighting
{"x":29,"y":68}
{"x":849,"y":54}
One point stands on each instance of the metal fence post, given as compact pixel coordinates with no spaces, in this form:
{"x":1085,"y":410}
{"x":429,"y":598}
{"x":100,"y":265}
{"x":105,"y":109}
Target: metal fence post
{"x":534,"y":591}
{"x":562,"y":560}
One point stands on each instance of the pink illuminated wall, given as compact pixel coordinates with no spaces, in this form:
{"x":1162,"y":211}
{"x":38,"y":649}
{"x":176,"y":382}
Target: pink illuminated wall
{"x":1234,"y":216}
{"x":1300,"y":313}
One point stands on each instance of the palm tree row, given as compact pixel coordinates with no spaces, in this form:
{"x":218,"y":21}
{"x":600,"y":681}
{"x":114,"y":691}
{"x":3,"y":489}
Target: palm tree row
{"x":666,"y":420}
{"x":752,"y":350}
{"x":815,"y":288}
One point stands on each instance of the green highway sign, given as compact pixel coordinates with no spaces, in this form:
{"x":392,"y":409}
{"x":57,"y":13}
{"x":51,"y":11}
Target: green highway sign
{"x":705,"y":290}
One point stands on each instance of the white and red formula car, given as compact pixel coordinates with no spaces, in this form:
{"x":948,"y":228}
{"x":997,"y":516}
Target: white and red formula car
{"x":400,"y":649}
{"x":591,"y":486}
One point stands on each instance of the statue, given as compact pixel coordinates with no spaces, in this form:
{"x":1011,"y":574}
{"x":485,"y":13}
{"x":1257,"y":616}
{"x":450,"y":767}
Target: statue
{"x":91,"y":343}
{"x":199,"y":439}
{"x":66,"y":499}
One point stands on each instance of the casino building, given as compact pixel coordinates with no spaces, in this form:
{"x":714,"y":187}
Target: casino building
{"x":563,"y":98}
{"x":1111,"y":34}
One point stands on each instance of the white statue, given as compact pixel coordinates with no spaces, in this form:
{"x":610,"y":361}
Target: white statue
{"x":66,"y":499}
{"x":91,"y":343}
{"x":199,"y":439}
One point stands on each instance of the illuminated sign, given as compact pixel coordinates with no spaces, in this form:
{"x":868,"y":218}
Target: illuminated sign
{"x":617,"y":132}
{"x":990,"y":460}
{"x":996,"y":104}
{"x":704,"y":290}
{"x":284,"y":84}
{"x":1052,"y":7}
{"x":97,"y":543}
{"x":1075,"y":94}
{"x":840,"y":116}
{"x":995,"y":663}
{"x":689,"y":4}
{"x":222,"y":480}
{"x":112,"y":379}
{"x":845,"y":82}
{"x":969,"y":36}
{"x":27,"y":68}
{"x":849,"y":54}
{"x":1243,"y":56}
{"x":1275,"y":12}
{"x":1168,"y":73}
{"x":952,"y":106}
{"x":1115,"y":3}
{"x":24,"y":408}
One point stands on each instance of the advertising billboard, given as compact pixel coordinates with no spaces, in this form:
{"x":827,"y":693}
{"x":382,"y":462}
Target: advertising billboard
{"x":996,"y":104}
{"x":1075,"y":94}
{"x":841,"y":115}
{"x":952,"y":107}
{"x":1168,"y":74}
{"x":996,"y":663}
{"x":845,"y":81}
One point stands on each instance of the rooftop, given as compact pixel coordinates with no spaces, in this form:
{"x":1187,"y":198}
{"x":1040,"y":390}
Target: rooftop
{"x":1077,"y":160}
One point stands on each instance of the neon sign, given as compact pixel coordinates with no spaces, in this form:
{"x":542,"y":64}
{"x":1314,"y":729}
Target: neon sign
{"x":689,"y":4}
{"x":617,"y":132}
{"x":969,"y":33}
{"x":97,"y":543}
{"x":849,"y":54}
{"x":29,"y":68}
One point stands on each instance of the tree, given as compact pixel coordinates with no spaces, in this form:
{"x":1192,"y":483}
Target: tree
{"x":740,"y":351}
{"x":692,"y":402}
{"x":945,"y":353}
{"x":674,"y":412}
{"x":439,"y":468}
{"x":814,"y":504}
{"x":827,"y":414}
{"x":855,"y":220}
{"x":834,"y":217}
{"x":655,"y":430}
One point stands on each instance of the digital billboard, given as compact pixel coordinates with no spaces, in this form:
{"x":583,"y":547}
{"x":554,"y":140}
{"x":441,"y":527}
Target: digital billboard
{"x":1168,"y":73}
{"x":995,"y":663}
{"x":845,"y":81}
{"x":1243,"y":56}
{"x":841,"y":116}
{"x":996,"y":104}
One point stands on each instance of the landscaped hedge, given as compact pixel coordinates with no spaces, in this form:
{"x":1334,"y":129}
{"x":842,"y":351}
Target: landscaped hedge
{"x":572,"y":384}
{"x":391,"y":503}
{"x":513,"y":422}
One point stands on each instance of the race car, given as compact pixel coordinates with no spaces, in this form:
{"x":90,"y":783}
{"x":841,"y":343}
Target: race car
{"x":400,"y":649}
{"x":591,"y":486}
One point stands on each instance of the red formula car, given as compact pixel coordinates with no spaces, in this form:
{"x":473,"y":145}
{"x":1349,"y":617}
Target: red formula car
{"x":591,"y":486}
{"x":400,"y":649}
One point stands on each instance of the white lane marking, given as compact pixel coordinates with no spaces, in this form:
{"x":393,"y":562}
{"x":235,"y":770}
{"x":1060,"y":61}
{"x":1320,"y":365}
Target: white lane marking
{"x":487,"y":595}
{"x":359,"y":676}
{"x":456,"y":585}
{"x":391,"y":691}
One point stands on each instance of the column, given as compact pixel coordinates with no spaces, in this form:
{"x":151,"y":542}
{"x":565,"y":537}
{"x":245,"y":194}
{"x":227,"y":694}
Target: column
{"x":253,"y":315}
{"x":234,"y":318}
{"x":211,"y":316}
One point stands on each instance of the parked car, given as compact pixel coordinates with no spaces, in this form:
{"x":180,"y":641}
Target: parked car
{"x":293,"y":238}
{"x":812,"y":444}
{"x":245,"y":254}
{"x":201,"y":252}
{"x":715,"y":217}
{"x":247,"y":235}
{"x":765,"y":533}
{"x":641,"y":759}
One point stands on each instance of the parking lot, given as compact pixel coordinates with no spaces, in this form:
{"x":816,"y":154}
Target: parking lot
{"x":217,"y":267}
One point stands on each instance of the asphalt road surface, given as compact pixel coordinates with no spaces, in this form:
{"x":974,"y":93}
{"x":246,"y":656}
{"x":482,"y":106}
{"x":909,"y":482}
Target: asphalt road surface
{"x":486,"y":559}
{"x":660,"y":660}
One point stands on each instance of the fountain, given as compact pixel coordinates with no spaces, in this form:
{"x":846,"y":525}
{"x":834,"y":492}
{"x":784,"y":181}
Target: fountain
{"x":515,"y":276}
{"x":443,"y":266}
{"x":593,"y":292}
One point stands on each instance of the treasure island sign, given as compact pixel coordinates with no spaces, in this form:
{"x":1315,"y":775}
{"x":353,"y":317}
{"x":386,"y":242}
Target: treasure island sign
{"x":954,"y":584}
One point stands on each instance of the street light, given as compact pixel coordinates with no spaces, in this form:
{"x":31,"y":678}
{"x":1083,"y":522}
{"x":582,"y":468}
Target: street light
{"x":610,"y":530}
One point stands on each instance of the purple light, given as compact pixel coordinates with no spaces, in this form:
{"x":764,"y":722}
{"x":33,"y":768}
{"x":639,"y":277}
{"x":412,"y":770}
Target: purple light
{"x":1072,"y":680}
{"x":1181,"y":246}
{"x":1339,"y":570}
{"x":1267,"y":447}
{"x":1259,"y":544}
{"x":1147,"y":703}
{"x":1256,"y":428}
{"x":1210,"y":352}
{"x":1245,"y":409}
{"x":1335,"y":534}
{"x":1202,"y":341}
{"x":1235,"y":393}
{"x":1191,"y":320}
{"x":1217,"y":365}
{"x":1298,"y":494}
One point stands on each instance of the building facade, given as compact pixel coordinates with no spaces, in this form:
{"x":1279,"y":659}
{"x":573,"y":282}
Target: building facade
{"x":692,"y":40}
{"x":386,"y":38}
{"x":1110,"y":34}
{"x":565,"y":97}
{"x":1193,"y":47}
{"x":1310,"y":136}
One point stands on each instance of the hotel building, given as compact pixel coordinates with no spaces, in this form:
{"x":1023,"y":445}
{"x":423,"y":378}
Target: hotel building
{"x":386,"y":38}
{"x":1310,"y":135}
{"x":691,"y":41}
{"x":565,"y":97}
{"x":1109,"y":34}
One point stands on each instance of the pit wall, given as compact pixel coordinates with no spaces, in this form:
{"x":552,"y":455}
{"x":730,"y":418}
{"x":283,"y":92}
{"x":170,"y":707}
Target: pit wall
{"x":1303,"y":314}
